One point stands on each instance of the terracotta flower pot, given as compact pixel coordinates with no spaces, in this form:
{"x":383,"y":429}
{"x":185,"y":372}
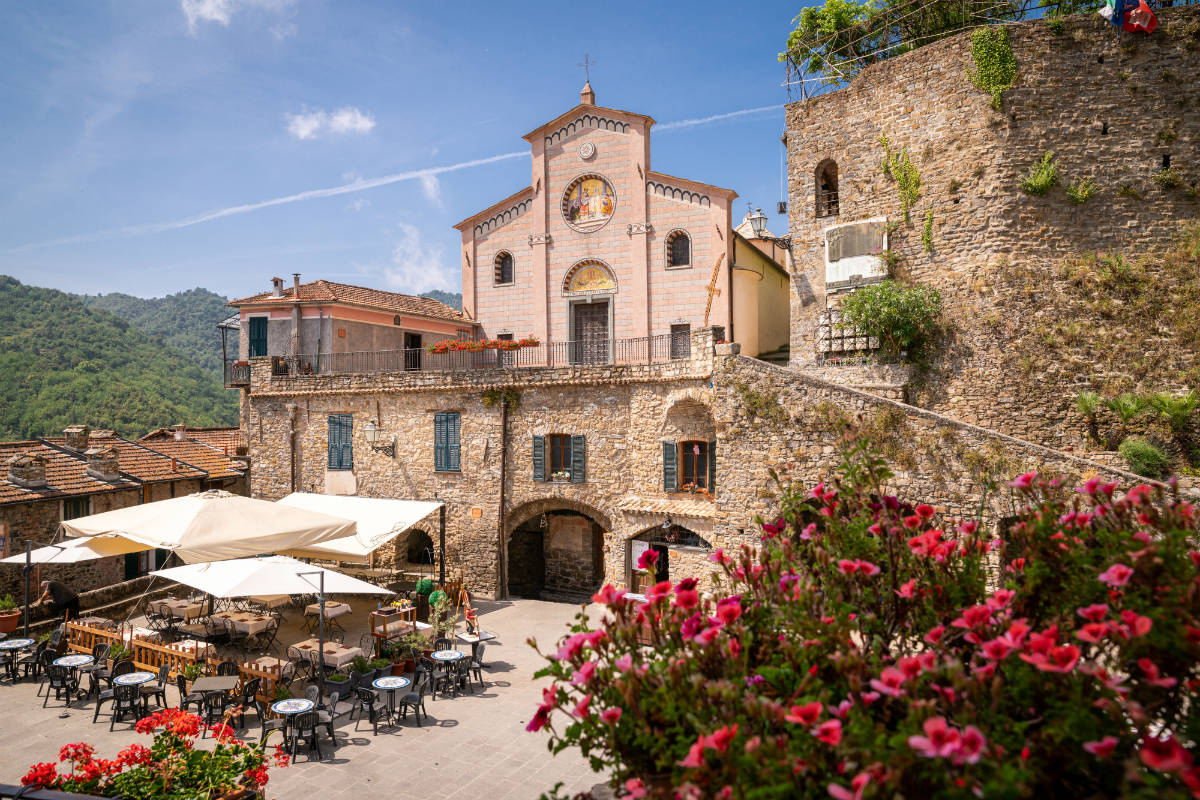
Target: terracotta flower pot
{"x":9,"y":620}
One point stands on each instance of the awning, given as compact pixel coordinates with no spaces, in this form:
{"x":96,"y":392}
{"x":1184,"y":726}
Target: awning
{"x":209,"y":526}
{"x":242,"y":577}
{"x":379,"y":521}
{"x":73,"y":551}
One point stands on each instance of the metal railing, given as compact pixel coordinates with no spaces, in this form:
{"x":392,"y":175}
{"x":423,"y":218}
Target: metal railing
{"x":585,"y":352}
{"x":237,"y":374}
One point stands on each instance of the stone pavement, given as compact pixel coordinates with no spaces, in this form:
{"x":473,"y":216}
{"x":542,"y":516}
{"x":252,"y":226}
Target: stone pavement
{"x":472,"y":746}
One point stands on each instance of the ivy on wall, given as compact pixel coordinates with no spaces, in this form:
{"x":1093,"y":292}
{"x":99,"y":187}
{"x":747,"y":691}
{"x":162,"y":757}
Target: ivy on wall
{"x":899,"y":167}
{"x":995,"y":65}
{"x":927,"y":233}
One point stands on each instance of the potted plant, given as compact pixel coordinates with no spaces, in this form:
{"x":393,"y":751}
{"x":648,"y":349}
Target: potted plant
{"x":191,"y":672}
{"x":562,"y":476}
{"x":404,"y":652}
{"x":282,"y":692}
{"x":9,"y":614}
{"x":382,"y":667}
{"x":336,"y":682}
{"x":442,"y":615}
{"x":424,"y":589}
{"x":119,"y":653}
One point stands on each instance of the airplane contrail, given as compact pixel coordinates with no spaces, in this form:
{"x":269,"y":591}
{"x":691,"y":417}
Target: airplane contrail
{"x":333,"y":191}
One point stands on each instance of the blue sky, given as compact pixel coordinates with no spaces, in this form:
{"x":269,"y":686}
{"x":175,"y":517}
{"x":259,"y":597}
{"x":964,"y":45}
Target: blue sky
{"x":139,"y":138}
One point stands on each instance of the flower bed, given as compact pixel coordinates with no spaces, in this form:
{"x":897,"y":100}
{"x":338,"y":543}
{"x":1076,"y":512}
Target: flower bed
{"x":870,"y":648}
{"x":169,"y":768}
{"x":466,"y":346}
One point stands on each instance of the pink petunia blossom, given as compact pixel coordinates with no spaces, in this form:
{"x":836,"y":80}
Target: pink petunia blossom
{"x":889,"y":682}
{"x":1093,"y":613}
{"x":1116,"y":575}
{"x":940,"y":740}
{"x":970,"y":748}
{"x":1023,"y":481}
{"x":720,"y":738}
{"x":1102,"y":748}
{"x":906,"y":589}
{"x":583,"y":675}
{"x":935,"y":634}
{"x":634,"y":789}
{"x":729,"y":609}
{"x":695,"y":756}
{"x":581,"y":708}
{"x":1092,"y":632}
{"x":829,"y":732}
{"x":806,"y":714}
{"x":611,"y":715}
{"x":858,"y":784}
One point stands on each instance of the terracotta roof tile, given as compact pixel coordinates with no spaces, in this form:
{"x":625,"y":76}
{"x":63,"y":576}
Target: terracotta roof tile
{"x":328,"y":292}
{"x":139,"y":461}
{"x":219,"y":438}
{"x":66,"y":475}
{"x":695,"y":509}
{"x":209,"y":459}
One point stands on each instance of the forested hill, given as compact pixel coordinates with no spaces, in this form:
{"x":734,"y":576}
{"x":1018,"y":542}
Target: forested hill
{"x":186,"y":322}
{"x":62,"y":362}
{"x":452,"y":299}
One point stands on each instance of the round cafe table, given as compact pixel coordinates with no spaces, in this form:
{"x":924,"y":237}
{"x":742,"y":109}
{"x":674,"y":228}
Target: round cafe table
{"x":15,"y":644}
{"x":74,"y":662}
{"x":133,"y":678}
{"x":391,"y":684}
{"x":9,"y":648}
{"x":450,"y":658}
{"x":295,"y":705}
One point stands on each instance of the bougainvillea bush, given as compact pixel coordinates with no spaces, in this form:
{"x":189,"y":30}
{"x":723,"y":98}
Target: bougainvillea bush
{"x":170,"y":767}
{"x":872,"y":648}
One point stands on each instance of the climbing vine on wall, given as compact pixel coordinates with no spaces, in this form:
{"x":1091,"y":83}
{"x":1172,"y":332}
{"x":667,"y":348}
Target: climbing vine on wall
{"x":899,"y":167}
{"x":927,"y":234}
{"x":995,"y":65}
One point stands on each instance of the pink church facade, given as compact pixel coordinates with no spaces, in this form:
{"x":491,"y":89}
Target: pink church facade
{"x":599,"y":246}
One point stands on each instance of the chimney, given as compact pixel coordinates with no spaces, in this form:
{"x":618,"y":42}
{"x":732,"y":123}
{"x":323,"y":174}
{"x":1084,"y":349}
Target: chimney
{"x":180,"y":432}
{"x":102,"y":463}
{"x":77,"y":437}
{"x":174,"y":464}
{"x":27,"y":471}
{"x":587,"y":97}
{"x":276,"y":287}
{"x":296,"y":285}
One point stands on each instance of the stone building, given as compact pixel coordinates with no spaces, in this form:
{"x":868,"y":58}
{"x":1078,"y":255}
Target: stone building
{"x":600,"y":248}
{"x":84,"y":472}
{"x":1027,"y":301}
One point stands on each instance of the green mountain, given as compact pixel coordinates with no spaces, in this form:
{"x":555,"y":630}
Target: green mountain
{"x":62,"y":362}
{"x":452,"y":299}
{"x":185,"y":322}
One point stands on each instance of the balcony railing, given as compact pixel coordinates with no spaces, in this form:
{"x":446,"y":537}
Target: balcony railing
{"x":588,"y":352}
{"x":237,"y":373}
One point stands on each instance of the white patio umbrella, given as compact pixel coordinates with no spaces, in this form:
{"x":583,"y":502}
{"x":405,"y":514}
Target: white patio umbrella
{"x":271,"y":575}
{"x":210,"y":526}
{"x":379,"y":520}
{"x":73,"y":551}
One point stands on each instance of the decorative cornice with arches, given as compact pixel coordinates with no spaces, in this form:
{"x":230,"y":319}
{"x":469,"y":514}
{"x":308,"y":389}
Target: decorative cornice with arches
{"x":675,"y":193}
{"x":584,"y":122}
{"x":504,"y":217}
{"x":526,"y":511}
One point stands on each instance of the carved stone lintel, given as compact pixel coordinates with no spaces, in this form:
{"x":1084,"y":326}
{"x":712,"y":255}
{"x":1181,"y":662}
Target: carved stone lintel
{"x":539,"y":238}
{"x":639,"y":227}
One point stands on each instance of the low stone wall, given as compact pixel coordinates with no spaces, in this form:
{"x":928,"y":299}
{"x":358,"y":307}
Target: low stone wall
{"x":113,"y":602}
{"x":883,"y":380}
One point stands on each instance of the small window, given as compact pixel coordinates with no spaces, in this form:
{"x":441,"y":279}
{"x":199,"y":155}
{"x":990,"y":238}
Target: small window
{"x":827,"y":189}
{"x":341,"y":442}
{"x":560,"y":452}
{"x":257,"y":338}
{"x":681,"y":341}
{"x":504,"y":267}
{"x":76,"y":507}
{"x":693,"y":457}
{"x":679,"y":249}
{"x":560,"y":457}
{"x":447,"y":441}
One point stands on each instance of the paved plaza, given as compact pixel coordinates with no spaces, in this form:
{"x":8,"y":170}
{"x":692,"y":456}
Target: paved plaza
{"x":471,"y":746}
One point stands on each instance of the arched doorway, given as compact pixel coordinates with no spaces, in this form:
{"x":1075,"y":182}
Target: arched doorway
{"x":556,"y":554}
{"x":420,"y":548}
{"x":682,"y":553}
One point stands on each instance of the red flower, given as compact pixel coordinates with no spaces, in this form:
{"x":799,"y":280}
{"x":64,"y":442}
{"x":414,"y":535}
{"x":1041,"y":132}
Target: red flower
{"x":1023,"y":481}
{"x":609,"y":595}
{"x":925,"y":511}
{"x":858,"y":784}
{"x":1152,"y":674}
{"x":1103,"y":748}
{"x":721,"y":737}
{"x":1093,"y":632}
{"x":890,"y":682}
{"x":1167,"y":755}
{"x":935,"y":634}
{"x":970,"y":748}
{"x":611,"y":715}
{"x":940,"y":740}
{"x":829,"y":732}
{"x":1058,"y":659}
{"x":634,"y":789}
{"x":686,"y":595}
{"x":647,"y":559}
{"x":906,"y":589}
{"x":974,"y":617}
{"x":806,"y":714}
{"x":1095,"y":612}
{"x":997,"y":649}
{"x":729,"y":609}
{"x":695,"y":756}
{"x":42,"y":774}
{"x":581,"y":708}
{"x":1116,"y":575}
{"x":540,"y":718}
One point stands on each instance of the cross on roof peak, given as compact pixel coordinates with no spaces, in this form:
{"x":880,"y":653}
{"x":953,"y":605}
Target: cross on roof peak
{"x":587,"y":65}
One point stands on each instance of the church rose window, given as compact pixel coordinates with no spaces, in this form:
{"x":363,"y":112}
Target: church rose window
{"x":504,"y":267}
{"x":589,"y":203}
{"x":679,"y":249}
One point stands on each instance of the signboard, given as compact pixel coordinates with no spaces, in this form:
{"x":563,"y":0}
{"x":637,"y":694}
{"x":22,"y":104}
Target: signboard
{"x":636,"y":548}
{"x":853,"y":253}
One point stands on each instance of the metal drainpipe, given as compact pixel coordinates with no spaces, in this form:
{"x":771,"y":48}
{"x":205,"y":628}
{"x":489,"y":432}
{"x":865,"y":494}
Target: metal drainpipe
{"x":503,"y":593}
{"x":292,"y":408}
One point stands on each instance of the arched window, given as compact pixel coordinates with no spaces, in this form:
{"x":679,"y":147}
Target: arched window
{"x":827,"y":189}
{"x":504,"y":267}
{"x":679,"y":249}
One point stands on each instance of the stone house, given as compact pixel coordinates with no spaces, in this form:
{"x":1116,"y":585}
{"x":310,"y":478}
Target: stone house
{"x":87,"y":472}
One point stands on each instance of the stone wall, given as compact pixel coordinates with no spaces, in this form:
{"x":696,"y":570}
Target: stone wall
{"x":1023,"y":338}
{"x":570,"y":567}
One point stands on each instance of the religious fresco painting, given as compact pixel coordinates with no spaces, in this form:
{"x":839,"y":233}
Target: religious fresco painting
{"x":590,"y":277}
{"x":589,"y":203}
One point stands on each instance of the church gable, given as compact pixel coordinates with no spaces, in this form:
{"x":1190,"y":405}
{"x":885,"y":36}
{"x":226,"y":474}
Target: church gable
{"x":503,"y":217}
{"x":588,"y":121}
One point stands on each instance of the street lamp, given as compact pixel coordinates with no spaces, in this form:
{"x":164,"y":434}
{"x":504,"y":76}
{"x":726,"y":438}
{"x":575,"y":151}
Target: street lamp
{"x":758,"y":224}
{"x":372,"y":433}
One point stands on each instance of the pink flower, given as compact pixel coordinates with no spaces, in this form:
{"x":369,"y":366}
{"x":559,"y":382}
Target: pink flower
{"x":611,"y":715}
{"x":1103,"y":748}
{"x":974,"y":617}
{"x":935,"y":634}
{"x":695,"y":756}
{"x":847,"y":566}
{"x":925,"y":511}
{"x":718,"y":557}
{"x":634,"y":789}
{"x":971,"y":747}
{"x":581,"y":708}
{"x":729,"y":609}
{"x":1152,"y":674}
{"x":1058,"y":659}
{"x":858,"y":784}
{"x":1093,"y":632}
{"x":540,"y":718}
{"x":1089,"y":487}
{"x":721,"y":737}
{"x":906,"y":589}
{"x":583,"y":675}
{"x":1000,"y":598}
{"x":609,"y":595}
{"x":889,"y":682}
{"x":686,"y":595}
{"x":806,"y":714}
{"x":868,"y":569}
{"x":1094,"y":613}
{"x":624,"y":663}
{"x":940,"y":740}
{"x":1167,"y":755}
{"x":997,"y":649}
{"x":829,"y":732}
{"x":1116,"y":575}
{"x":647,"y":559}
{"x":1023,"y":481}
{"x":911,"y":666}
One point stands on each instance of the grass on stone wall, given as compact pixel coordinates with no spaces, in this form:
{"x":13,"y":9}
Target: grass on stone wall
{"x":1042,"y":176}
{"x":1081,"y":190}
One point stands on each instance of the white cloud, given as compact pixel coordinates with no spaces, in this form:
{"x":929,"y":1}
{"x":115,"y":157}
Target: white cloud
{"x":359,"y":204}
{"x":417,"y":266}
{"x":313,"y":124}
{"x":221,"y":12}
{"x":431,"y":187}
{"x":691,"y":123}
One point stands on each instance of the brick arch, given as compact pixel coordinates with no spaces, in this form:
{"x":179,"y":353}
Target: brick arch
{"x":532,"y":508}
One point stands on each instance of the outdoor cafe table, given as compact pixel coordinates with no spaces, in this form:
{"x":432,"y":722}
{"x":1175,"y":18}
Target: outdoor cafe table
{"x":474,"y":639}
{"x":245,"y":620}
{"x":219,"y":683}
{"x":335,"y":655}
{"x":449,"y":657}
{"x":74,"y":662}
{"x":133,"y":678}
{"x":15,"y":644}
{"x":268,"y":662}
{"x":391,"y":685}
{"x":332,"y":609}
{"x":198,"y":648}
{"x":183,"y":609}
{"x":270,"y":600}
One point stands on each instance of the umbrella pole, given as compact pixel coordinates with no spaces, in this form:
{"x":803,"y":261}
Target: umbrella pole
{"x":28,"y":569}
{"x":321,"y":637}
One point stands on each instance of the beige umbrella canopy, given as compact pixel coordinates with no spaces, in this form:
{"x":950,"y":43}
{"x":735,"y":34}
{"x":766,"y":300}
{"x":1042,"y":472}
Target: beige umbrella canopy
{"x":209,"y":526}
{"x":73,"y":551}
{"x":379,"y":520}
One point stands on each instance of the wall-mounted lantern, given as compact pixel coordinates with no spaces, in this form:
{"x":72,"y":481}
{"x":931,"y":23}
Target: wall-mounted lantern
{"x":372,"y":432}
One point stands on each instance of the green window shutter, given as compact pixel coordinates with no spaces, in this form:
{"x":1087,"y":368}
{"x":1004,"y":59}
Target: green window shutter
{"x":335,"y":443}
{"x":578,"y":459}
{"x":347,"y":442}
{"x":712,"y":467}
{"x":453,"y":441}
{"x":539,"y":458}
{"x":341,"y":446}
{"x":258,"y":336}
{"x":670,"y":467}
{"x":441,"y":456}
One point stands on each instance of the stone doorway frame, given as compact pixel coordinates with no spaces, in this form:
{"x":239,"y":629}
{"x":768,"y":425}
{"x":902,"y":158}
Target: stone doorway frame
{"x":522,"y":513}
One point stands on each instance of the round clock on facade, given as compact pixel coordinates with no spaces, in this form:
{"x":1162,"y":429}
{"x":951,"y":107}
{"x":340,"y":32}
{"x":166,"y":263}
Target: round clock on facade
{"x":589,"y":203}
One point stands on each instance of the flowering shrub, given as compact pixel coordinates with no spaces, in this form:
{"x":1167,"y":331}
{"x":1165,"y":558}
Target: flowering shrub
{"x":870,"y":648}
{"x":169,"y":768}
{"x":470,"y":346}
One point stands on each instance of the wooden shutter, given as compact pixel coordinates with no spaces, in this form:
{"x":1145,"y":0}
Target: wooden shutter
{"x":258,"y":336}
{"x":453,"y":441}
{"x":712,"y":468}
{"x":347,"y":442}
{"x":670,"y":467}
{"x":539,"y":458}
{"x":341,"y":454}
{"x":440,"y":455}
{"x":578,"y":459}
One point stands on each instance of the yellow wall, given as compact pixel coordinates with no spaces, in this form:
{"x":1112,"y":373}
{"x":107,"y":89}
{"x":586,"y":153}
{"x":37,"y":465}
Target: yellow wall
{"x":760,"y":300}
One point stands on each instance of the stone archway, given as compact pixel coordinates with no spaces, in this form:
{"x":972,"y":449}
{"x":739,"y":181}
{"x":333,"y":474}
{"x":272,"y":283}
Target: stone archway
{"x":554,"y":550}
{"x":682,"y":553}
